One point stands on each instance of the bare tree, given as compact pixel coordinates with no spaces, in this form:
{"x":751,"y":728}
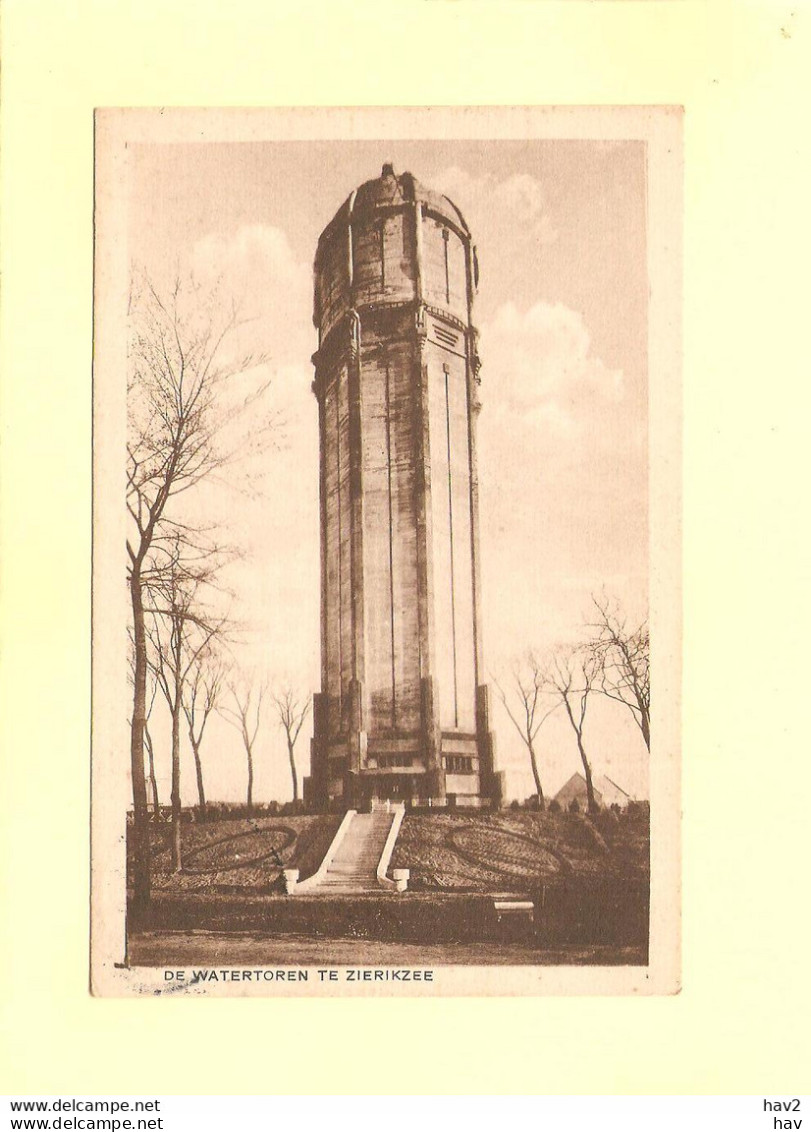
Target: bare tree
{"x":529,"y":683}
{"x":244,"y":712}
{"x":201,"y":693}
{"x":150,"y":749}
{"x":182,"y":632}
{"x":572,"y":675}
{"x":291,"y":709}
{"x":178,"y":416}
{"x":623,"y":657}
{"x":151,"y":693}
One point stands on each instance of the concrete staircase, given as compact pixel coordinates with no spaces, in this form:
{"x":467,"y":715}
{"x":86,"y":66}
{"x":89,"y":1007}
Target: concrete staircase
{"x":354,"y":867}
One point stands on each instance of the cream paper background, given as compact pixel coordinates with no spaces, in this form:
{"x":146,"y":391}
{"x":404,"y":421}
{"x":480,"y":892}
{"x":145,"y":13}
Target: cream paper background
{"x":740,"y":72}
{"x":660,"y":129}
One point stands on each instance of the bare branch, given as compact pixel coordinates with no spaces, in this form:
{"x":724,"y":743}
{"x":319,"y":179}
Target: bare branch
{"x":523,"y":698}
{"x":622,"y":660}
{"x":292,"y":708}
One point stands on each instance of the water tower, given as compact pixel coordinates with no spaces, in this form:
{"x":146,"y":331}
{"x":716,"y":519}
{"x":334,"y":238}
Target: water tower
{"x":403,"y":712}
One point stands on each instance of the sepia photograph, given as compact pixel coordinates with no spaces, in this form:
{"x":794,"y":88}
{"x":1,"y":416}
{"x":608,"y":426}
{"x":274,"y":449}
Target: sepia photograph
{"x":403,"y":455}
{"x":386,"y":551}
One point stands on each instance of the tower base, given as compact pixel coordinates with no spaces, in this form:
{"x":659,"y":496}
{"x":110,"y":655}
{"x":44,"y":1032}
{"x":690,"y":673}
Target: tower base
{"x":427,"y":769}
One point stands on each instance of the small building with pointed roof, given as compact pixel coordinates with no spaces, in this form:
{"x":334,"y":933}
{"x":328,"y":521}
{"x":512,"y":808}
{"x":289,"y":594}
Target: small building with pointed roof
{"x":606,"y":792}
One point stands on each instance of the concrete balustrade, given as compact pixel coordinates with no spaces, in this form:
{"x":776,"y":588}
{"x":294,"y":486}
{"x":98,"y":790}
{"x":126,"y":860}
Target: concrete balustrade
{"x":358,"y":858}
{"x":318,"y":877}
{"x":396,"y":885}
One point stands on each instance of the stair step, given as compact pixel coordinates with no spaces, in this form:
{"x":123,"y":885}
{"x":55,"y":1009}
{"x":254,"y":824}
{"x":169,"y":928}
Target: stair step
{"x":354,"y":866}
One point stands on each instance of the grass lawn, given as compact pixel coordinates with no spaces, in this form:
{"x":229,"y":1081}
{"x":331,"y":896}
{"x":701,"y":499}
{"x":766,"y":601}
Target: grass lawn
{"x":241,"y":854}
{"x":507,"y":851}
{"x":510,"y":851}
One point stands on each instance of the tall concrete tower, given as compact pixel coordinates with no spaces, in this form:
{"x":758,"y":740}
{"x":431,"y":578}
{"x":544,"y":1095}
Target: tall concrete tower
{"x":403,"y":712}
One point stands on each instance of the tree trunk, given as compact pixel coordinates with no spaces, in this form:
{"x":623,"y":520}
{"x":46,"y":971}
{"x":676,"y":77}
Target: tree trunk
{"x":536,"y":775}
{"x":177,"y":812}
{"x":141,"y":873}
{"x":198,"y":766}
{"x":293,"y":771}
{"x":250,"y":780}
{"x":593,"y":807}
{"x":644,"y":723}
{"x":153,"y":782}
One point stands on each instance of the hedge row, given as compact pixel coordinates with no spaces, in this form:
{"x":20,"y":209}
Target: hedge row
{"x":593,"y":910}
{"x":227,"y":811}
{"x":578,"y":911}
{"x":415,"y":919}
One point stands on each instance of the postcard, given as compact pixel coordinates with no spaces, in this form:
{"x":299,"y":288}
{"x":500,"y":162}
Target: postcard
{"x":387,"y":550}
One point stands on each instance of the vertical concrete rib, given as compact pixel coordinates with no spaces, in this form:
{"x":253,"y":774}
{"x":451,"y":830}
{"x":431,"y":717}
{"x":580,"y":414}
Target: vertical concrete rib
{"x":355,"y":412}
{"x":340,"y":518}
{"x":387,"y":410}
{"x":423,"y":490}
{"x":322,"y":495}
{"x":422,"y":478}
{"x":452,"y":579}
{"x":473,"y":407}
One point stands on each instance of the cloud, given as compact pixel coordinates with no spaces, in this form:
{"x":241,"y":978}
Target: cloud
{"x":563,"y":473}
{"x":267,"y":505}
{"x":267,"y":501}
{"x":253,"y":251}
{"x":256,"y":266}
{"x":520,"y":197}
{"x":542,"y":369}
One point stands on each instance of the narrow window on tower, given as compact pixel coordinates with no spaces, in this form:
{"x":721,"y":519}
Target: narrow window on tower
{"x":446,"y":237}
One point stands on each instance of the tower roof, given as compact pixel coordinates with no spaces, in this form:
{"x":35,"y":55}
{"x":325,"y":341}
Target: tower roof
{"x":391,"y":188}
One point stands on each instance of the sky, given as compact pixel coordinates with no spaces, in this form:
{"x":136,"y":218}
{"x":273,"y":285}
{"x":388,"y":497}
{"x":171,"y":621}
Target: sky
{"x":560,"y":228}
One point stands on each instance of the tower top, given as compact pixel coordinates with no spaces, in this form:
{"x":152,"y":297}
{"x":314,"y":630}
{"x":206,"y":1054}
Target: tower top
{"x":388,"y":191}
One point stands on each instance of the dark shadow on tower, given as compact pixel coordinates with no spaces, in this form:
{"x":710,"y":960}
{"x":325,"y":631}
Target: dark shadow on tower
{"x":402,"y":713}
